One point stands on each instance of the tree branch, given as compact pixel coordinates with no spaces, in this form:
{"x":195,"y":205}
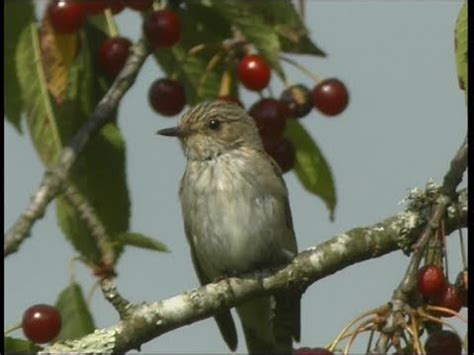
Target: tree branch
{"x":147,"y":321}
{"x":448,"y":192}
{"x":52,"y":182}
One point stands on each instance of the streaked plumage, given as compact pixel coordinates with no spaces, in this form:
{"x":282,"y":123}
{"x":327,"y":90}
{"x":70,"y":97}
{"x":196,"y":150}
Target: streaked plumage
{"x":237,"y":218}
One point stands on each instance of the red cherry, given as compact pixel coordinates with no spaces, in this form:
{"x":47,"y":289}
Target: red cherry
{"x":283,"y":152}
{"x":115,"y":6}
{"x":330,"y":97}
{"x":41,"y":323}
{"x":113,"y":54}
{"x":167,"y":97}
{"x":162,"y":28}
{"x":443,"y":342}
{"x":312,"y":351}
{"x":269,"y":115}
{"x":254,"y":72}
{"x":449,"y":298}
{"x":231,"y":100}
{"x":94,"y":7}
{"x":66,"y":16}
{"x":139,"y":5}
{"x":431,"y":280}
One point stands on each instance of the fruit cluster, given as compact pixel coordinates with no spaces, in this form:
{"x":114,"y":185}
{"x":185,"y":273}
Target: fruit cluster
{"x":167,"y":96}
{"x":68,"y":16}
{"x":162,"y":28}
{"x":434,"y":286}
{"x":330,"y":97}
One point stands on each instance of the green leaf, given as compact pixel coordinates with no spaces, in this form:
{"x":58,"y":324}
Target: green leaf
{"x":460,"y":38}
{"x":311,"y":167}
{"x":193,"y":71}
{"x":76,"y":318}
{"x":142,"y":241}
{"x":42,"y":123}
{"x":99,"y":173}
{"x":14,"y":345}
{"x":17,"y":16}
{"x":286,"y":22}
{"x":245,"y":16}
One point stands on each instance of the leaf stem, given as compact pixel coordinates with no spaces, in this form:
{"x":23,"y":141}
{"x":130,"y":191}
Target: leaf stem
{"x":12,"y":328}
{"x":302,"y":68}
{"x":111,"y":26}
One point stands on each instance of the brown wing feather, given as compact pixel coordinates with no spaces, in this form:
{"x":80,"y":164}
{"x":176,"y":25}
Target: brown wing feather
{"x":287,"y":312}
{"x":224,"y":319}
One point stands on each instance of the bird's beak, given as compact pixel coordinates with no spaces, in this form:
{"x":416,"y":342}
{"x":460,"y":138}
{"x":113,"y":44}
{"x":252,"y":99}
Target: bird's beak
{"x":171,"y":132}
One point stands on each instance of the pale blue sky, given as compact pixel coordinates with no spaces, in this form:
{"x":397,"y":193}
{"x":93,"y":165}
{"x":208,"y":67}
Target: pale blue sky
{"x":406,"y":119}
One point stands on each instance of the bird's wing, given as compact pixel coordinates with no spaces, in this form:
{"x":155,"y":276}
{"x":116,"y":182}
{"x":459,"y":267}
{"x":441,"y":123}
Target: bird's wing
{"x":287,"y":306}
{"x":223,"y":319}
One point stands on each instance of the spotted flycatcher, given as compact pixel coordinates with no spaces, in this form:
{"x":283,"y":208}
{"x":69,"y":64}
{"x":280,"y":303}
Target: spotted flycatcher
{"x":237,"y":218}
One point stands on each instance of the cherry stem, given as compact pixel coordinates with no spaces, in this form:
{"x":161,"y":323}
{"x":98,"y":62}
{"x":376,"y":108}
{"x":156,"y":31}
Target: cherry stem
{"x":72,"y":266}
{"x":94,"y":288}
{"x":197,"y":49}
{"x":435,"y":320}
{"x":224,"y":89}
{"x":364,"y":326}
{"x":446,"y":310}
{"x":210,"y":66}
{"x":302,"y":68}
{"x":111,"y":26}
{"x":416,"y":336}
{"x":371,"y":338}
{"x":379,"y":310}
{"x":12,"y":328}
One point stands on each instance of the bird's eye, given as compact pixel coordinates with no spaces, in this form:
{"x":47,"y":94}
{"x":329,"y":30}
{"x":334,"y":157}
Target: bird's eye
{"x":214,"y":124}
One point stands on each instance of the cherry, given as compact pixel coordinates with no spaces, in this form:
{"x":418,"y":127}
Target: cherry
{"x":139,"y":5}
{"x":283,"y":152}
{"x":162,"y":28}
{"x":94,"y":7}
{"x":113,"y":54}
{"x":66,"y":16}
{"x":449,"y":298}
{"x":330,"y":97}
{"x":461,"y":285}
{"x":431,"y":280}
{"x":312,"y":351}
{"x":167,"y":97}
{"x":41,"y":323}
{"x":443,"y":342}
{"x":269,"y":115}
{"x":254,"y":72}
{"x":231,"y":99}
{"x":298,"y":100}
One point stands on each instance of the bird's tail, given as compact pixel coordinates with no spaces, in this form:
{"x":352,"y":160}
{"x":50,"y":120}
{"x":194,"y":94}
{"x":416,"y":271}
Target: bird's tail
{"x":269,"y":324}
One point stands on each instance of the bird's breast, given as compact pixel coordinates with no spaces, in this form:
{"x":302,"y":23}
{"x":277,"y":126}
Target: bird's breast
{"x":230,"y":223}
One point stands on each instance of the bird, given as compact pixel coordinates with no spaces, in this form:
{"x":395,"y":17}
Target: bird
{"x":237,"y":219}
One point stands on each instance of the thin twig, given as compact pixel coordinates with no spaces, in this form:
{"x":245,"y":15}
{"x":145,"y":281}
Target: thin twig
{"x":96,"y":228}
{"x":109,"y":289}
{"x":52,"y":181}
